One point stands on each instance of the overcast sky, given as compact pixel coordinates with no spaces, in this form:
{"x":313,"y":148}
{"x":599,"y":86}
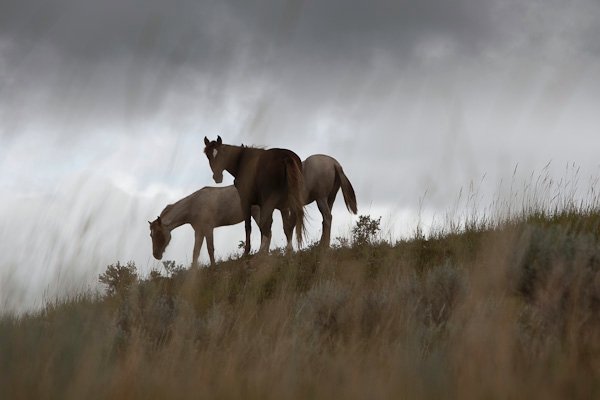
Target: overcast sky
{"x":104,"y":106}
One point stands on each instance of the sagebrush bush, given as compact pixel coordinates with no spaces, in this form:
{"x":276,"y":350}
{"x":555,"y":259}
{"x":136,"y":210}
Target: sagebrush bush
{"x":365,"y":230}
{"x":119,"y":278}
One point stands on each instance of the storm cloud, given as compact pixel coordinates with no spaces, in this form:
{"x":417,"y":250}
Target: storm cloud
{"x":98,"y":62}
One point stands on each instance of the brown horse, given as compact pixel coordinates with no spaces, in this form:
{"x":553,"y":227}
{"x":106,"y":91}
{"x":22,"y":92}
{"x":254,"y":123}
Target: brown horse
{"x":268,"y":178}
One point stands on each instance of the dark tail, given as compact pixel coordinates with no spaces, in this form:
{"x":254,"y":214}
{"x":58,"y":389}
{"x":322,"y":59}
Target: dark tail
{"x":295,"y":181}
{"x":347,"y":189}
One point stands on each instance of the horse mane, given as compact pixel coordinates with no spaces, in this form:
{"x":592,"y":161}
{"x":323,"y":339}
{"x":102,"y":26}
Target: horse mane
{"x":243,"y":146}
{"x":167,"y":209}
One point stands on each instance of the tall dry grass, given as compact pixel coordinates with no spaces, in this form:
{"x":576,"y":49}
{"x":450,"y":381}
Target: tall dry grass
{"x":500,"y":308}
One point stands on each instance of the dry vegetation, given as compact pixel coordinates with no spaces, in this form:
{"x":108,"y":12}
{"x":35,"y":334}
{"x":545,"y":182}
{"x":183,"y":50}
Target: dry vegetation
{"x":509,"y":309}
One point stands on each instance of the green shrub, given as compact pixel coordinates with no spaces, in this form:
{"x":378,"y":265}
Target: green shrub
{"x":365,"y":230}
{"x":119,"y":278}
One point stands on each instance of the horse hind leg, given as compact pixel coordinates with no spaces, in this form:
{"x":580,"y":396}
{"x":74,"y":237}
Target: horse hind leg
{"x":325,"y":210}
{"x":289,"y":222}
{"x":210,"y":246}
{"x":332,"y":195}
{"x":266,"y":221}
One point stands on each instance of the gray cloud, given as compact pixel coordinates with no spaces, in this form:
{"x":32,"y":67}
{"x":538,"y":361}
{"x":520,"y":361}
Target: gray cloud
{"x":209,"y":32}
{"x":72,"y":61}
{"x":430,"y":84}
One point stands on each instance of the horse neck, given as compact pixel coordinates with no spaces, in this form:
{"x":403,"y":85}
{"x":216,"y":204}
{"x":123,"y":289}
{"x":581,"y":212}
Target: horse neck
{"x":237,"y":156}
{"x":234,"y":156}
{"x":175,"y":215}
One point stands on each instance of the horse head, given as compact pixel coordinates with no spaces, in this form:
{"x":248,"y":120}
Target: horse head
{"x":161,"y":237}
{"x":216,"y":158}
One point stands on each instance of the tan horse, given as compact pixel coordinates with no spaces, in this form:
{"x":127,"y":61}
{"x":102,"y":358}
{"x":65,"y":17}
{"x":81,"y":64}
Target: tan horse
{"x":323,"y":177}
{"x":271,"y":179}
{"x":204,"y":210}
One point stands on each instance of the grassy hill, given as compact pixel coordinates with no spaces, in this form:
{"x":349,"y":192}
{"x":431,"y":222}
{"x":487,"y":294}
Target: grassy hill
{"x":497,"y":310}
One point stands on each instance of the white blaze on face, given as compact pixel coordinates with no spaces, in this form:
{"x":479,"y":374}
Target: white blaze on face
{"x":215,"y":153}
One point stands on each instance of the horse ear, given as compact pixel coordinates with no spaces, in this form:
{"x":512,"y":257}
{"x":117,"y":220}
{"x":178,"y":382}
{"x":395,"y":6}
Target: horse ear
{"x":219,"y":141}
{"x":150,"y":222}
{"x":206,"y":141}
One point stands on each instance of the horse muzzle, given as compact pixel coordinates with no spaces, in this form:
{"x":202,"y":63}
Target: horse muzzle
{"x":218,"y":178}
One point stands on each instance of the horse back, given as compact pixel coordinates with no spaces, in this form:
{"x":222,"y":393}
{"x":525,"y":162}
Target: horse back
{"x":216,"y":206}
{"x":272,"y":168}
{"x":263,"y":174}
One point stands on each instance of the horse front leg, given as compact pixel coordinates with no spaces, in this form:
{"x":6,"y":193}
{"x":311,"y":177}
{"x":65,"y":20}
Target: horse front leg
{"x":248,"y":226}
{"x":198,"y":239}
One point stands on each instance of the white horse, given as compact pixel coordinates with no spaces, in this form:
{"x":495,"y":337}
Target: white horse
{"x":211,"y":207}
{"x":204,"y":210}
{"x":323,"y":177}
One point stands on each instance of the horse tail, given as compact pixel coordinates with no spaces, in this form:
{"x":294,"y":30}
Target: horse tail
{"x":347,"y":189}
{"x":295,"y":185}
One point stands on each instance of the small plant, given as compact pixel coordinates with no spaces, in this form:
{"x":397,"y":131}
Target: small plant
{"x":340,"y":242}
{"x":365,"y":230}
{"x":119,"y":278}
{"x":155,"y":274}
{"x":172,"y":268}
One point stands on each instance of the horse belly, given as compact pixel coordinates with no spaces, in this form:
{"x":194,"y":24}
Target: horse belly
{"x":230,"y":213}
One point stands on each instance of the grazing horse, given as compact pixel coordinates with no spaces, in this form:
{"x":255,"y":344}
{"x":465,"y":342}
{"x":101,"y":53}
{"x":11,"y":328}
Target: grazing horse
{"x":268,"y":178}
{"x":205,"y":209}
